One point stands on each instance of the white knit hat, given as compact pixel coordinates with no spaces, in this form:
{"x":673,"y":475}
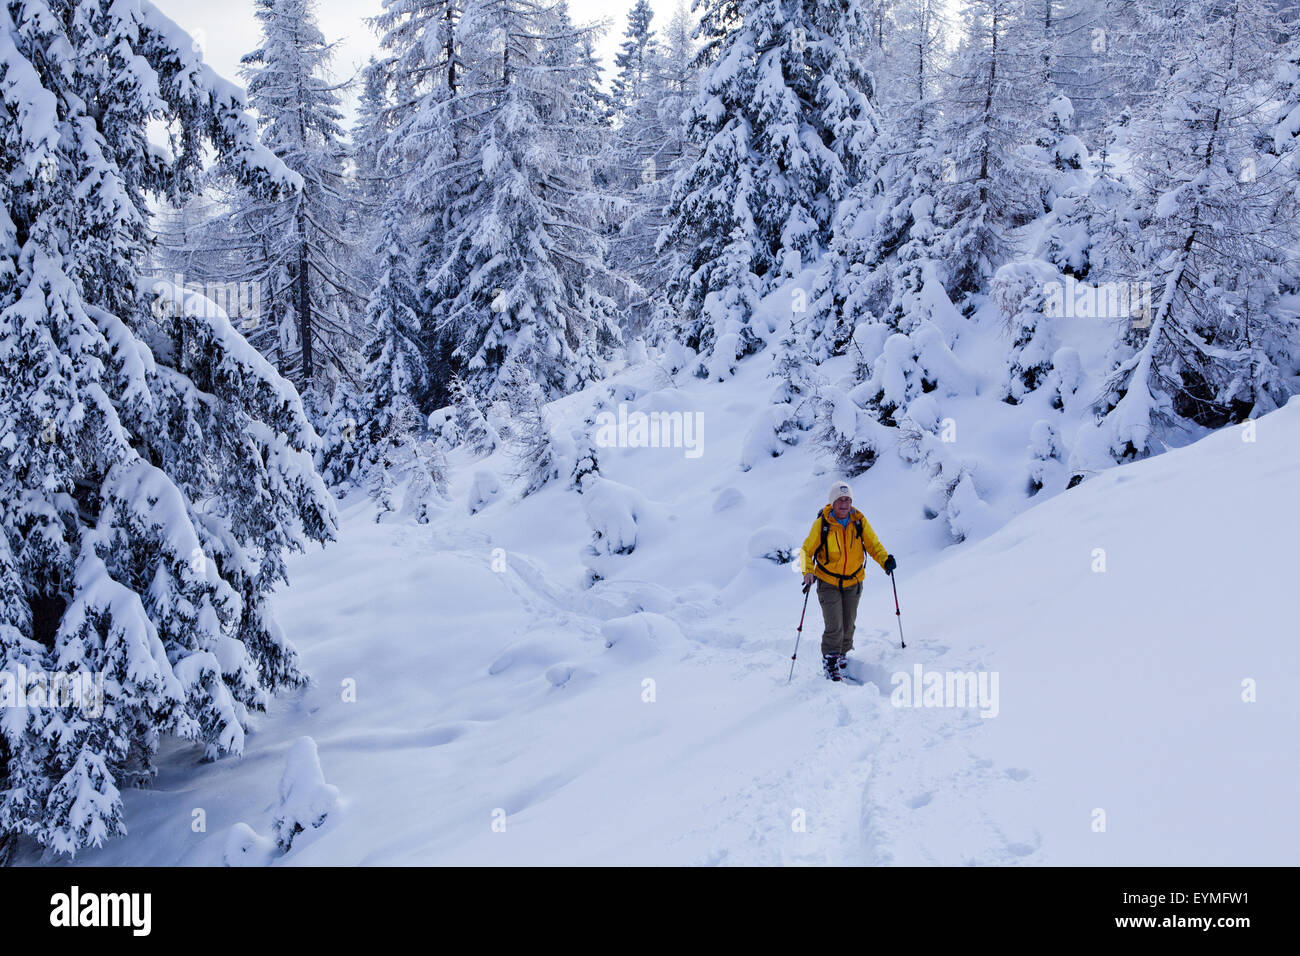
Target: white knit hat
{"x":840,"y":489}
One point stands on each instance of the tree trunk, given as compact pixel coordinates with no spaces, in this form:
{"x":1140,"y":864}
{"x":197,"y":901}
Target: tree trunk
{"x":303,"y":298}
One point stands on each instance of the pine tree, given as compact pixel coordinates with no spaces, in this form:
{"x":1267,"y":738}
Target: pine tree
{"x":989,"y":182}
{"x":516,"y":267}
{"x":534,"y":452}
{"x":471,"y":424}
{"x":303,"y":259}
{"x":1214,"y":345}
{"x":646,"y":152}
{"x":157,"y":468}
{"x":635,"y":60}
{"x":885,"y":234}
{"x":783,"y":121}
{"x":339,"y":459}
{"x":371,"y":176}
{"x":395,"y":368}
{"x":426,"y":150}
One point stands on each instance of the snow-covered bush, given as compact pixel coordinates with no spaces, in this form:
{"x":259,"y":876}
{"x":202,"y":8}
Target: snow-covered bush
{"x":849,"y":433}
{"x":244,"y":846}
{"x":951,"y":491}
{"x":485,"y":489}
{"x":472,"y":426}
{"x":581,"y":451}
{"x":967,"y":513}
{"x":764,"y":439}
{"x":1045,"y":452}
{"x":1021,"y":290}
{"x":635,"y":354}
{"x":641,"y":636}
{"x":613,"y":511}
{"x":1065,"y":376}
{"x":771,"y":544}
{"x":534,"y":452}
{"x":339,"y":459}
{"x":909,"y":366}
{"x":407,"y":473}
{"x":1066,"y":240}
{"x":1061,"y":151}
{"x":443,"y":430}
{"x":305,"y":799}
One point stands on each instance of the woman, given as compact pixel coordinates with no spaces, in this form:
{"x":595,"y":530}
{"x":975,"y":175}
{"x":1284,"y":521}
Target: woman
{"x":838,"y":543}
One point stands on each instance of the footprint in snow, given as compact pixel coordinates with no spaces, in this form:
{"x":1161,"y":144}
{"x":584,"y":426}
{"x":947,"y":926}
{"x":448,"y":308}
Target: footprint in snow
{"x":1020,"y":850}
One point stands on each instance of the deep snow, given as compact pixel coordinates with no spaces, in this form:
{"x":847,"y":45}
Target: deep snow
{"x":493,"y":724}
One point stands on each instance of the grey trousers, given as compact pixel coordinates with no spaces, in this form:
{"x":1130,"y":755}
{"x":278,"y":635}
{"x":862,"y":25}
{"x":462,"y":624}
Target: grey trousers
{"x":840,"y":613}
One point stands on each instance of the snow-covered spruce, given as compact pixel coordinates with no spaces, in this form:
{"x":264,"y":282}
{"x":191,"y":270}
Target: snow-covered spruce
{"x":992,"y":182}
{"x":473,"y":428}
{"x":293,"y":259}
{"x":783,"y":121}
{"x":648,"y":148}
{"x":1021,"y":290}
{"x":510,"y":250}
{"x":156,"y":468}
{"x":884,"y":230}
{"x":301,"y":256}
{"x":393,"y":446}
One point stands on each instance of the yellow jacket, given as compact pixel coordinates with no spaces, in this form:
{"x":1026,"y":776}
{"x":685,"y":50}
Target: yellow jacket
{"x":844,"y":561}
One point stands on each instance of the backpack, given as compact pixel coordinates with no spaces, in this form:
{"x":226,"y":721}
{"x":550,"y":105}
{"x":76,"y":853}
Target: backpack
{"x":821,"y":548}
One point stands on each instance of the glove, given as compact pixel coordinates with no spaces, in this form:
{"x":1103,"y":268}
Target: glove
{"x":890,"y":564}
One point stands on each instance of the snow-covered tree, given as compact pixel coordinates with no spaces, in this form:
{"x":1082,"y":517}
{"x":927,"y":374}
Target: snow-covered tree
{"x":1021,"y":291}
{"x":1284,"y":132}
{"x":395,"y":369}
{"x":1217,"y":343}
{"x":536,"y":460}
{"x":156,"y":468}
{"x":891,"y":206}
{"x":990,"y":182}
{"x":297,"y":249}
{"x":509,"y":254}
{"x":426,"y":147}
{"x":783,"y":121}
{"x":370,"y":137}
{"x":1060,"y":152}
{"x":1070,"y":48}
{"x":647,"y":150}
{"x":475,"y":431}
{"x":339,"y":458}
{"x":635,"y":58}
{"x":372,"y":169}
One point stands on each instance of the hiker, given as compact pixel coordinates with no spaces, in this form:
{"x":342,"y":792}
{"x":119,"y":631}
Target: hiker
{"x":839,"y":542}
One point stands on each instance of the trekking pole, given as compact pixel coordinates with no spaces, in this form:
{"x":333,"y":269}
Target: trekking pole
{"x":807,"y":589}
{"x":897,"y":612}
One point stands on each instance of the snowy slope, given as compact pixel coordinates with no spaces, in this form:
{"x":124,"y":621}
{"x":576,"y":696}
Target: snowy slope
{"x":486,"y":695}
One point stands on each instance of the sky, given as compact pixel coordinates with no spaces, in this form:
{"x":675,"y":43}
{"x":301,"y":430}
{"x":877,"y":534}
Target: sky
{"x":227,"y":30}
